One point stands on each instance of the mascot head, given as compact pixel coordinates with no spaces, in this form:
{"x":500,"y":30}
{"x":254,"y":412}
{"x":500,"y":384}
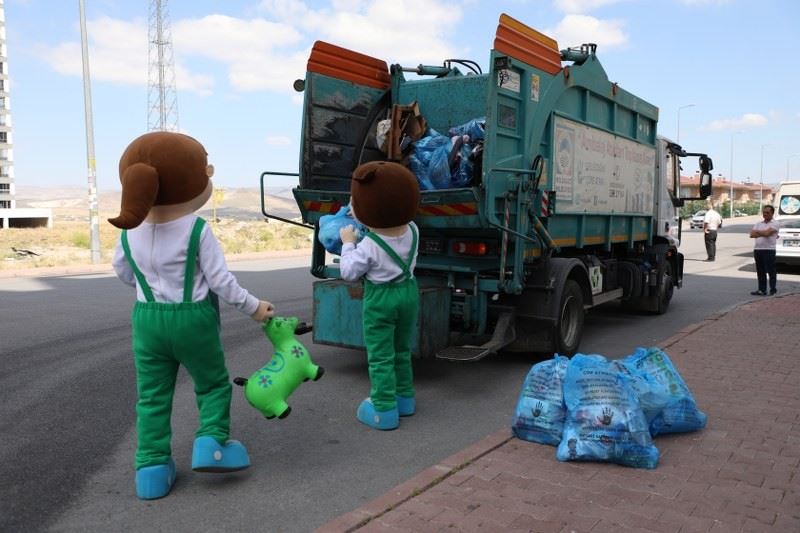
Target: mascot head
{"x":162,"y":169}
{"x":384,"y":194}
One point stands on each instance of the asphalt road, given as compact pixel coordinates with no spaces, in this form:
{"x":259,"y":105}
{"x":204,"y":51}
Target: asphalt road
{"x":67,"y":394}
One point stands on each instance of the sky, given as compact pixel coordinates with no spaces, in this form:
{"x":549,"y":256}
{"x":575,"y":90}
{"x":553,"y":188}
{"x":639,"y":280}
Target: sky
{"x":724,"y":70}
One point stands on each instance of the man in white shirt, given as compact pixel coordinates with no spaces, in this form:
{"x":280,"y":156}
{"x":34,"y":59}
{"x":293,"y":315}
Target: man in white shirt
{"x":766,"y":235}
{"x":711,"y":223}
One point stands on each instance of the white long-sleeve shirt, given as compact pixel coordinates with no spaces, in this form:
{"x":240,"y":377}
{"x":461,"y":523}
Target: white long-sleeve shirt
{"x":767,"y":243}
{"x":369,"y":260}
{"x":159,"y":250}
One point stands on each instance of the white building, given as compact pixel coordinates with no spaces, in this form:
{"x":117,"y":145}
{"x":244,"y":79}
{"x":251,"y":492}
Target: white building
{"x":10,"y":215}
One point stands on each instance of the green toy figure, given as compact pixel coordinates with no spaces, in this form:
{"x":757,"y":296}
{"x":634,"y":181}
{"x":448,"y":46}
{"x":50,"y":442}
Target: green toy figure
{"x":269,"y":387}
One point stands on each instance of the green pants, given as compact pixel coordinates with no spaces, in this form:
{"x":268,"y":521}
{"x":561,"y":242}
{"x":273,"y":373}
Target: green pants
{"x":165,"y":336}
{"x":390,"y":314}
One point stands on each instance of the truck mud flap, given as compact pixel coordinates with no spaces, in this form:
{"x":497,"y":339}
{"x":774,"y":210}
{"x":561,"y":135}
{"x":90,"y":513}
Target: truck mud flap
{"x":504,"y":334}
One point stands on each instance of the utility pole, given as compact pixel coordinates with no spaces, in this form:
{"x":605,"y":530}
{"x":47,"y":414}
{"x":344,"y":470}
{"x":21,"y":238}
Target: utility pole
{"x":162,"y":100}
{"x":761,"y":192}
{"x":94,"y":219}
{"x":731,"y":178}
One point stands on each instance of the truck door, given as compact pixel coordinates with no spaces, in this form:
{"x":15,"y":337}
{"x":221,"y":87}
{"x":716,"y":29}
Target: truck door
{"x":346,"y":93}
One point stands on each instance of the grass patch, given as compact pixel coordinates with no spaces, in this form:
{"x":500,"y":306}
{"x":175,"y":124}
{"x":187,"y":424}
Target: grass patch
{"x":68,"y":242}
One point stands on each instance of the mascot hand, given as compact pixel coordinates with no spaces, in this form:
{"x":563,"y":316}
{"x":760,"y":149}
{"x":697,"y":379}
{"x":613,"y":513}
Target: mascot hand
{"x":264,"y":311}
{"x":348,"y":234}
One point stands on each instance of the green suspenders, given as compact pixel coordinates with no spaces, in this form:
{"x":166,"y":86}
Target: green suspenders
{"x":405,"y":266}
{"x":191,"y":259}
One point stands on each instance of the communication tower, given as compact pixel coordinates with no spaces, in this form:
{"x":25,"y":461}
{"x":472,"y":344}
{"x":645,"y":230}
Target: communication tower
{"x":162,"y":100}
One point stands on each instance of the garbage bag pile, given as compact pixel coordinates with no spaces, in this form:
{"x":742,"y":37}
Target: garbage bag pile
{"x":329,"y":226}
{"x":595,"y":409}
{"x":447,"y":162}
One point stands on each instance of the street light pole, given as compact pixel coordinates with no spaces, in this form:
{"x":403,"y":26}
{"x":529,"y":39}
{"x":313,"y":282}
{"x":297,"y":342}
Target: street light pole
{"x":679,"y":120}
{"x":731,"y":169}
{"x":761,"y":192}
{"x":94,"y":219}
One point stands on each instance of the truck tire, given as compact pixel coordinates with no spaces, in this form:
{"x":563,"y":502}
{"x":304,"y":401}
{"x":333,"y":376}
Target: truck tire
{"x":666,"y":288}
{"x":631,"y":281}
{"x":569,"y":327}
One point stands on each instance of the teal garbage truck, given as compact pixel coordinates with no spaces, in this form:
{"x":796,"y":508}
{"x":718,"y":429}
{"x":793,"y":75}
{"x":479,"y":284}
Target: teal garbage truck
{"x":566,"y":196}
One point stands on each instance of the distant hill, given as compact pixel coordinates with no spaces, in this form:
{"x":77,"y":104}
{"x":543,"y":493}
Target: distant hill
{"x":71,"y":203}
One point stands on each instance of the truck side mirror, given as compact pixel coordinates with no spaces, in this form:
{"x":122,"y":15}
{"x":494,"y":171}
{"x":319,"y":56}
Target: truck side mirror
{"x":705,"y":185}
{"x":706,"y":165}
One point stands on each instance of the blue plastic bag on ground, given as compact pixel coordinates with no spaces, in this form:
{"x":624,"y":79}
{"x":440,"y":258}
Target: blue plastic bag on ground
{"x":604,"y":420}
{"x":672,"y":406}
{"x":652,"y":397}
{"x":329,"y":226}
{"x":540,"y":411}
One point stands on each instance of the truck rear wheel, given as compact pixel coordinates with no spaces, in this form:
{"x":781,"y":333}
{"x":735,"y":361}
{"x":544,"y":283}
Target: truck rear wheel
{"x":665,"y":288}
{"x":569,"y":328}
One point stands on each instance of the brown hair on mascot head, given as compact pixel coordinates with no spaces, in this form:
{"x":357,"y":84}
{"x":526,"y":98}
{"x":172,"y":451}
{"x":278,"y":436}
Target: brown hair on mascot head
{"x":161,"y":168}
{"x":384,"y":194}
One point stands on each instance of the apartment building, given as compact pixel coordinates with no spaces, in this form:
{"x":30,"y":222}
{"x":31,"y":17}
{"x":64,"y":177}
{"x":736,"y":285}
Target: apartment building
{"x":10,"y":215}
{"x":7,"y":192}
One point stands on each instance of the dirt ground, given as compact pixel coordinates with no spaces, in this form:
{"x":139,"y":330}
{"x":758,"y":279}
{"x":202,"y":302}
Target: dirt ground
{"x":68,"y":242}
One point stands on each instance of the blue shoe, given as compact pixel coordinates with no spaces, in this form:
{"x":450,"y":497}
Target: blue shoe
{"x":384,"y":420}
{"x":406,"y":406}
{"x":210,"y":456}
{"x":153,"y":482}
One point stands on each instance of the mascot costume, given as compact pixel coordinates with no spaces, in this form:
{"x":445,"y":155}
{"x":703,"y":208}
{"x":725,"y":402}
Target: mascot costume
{"x":384,"y":197}
{"x":176,"y":265}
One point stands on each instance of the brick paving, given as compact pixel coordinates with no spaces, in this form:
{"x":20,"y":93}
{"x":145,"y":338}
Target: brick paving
{"x":740,"y":473}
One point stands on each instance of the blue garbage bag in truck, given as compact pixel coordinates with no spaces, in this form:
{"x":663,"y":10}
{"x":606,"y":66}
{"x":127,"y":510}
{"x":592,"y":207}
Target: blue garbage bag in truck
{"x":429,"y":161}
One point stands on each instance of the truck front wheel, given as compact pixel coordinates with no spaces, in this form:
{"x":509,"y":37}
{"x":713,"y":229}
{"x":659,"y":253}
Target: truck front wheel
{"x":569,"y":328}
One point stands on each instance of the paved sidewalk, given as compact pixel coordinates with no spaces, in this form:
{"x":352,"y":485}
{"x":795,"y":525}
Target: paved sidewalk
{"x":740,"y":473}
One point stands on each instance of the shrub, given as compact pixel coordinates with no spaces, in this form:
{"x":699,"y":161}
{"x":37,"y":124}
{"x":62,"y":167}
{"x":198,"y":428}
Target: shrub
{"x":80,"y":240}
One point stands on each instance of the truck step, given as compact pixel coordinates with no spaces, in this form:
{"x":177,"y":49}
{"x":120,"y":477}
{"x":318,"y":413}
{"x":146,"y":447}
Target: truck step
{"x":463,"y":353}
{"x":504,"y":334}
{"x":604,"y":297}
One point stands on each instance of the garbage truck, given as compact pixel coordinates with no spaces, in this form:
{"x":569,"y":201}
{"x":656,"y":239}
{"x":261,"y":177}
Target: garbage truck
{"x":570,"y":202}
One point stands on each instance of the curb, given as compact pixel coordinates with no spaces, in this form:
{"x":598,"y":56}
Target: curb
{"x":415,"y":486}
{"x":434,"y":475}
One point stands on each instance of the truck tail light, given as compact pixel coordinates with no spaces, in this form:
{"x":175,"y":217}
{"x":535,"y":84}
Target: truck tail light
{"x":470,"y":248}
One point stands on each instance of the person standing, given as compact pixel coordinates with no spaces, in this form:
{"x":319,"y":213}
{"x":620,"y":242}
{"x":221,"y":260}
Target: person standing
{"x":711,"y":223}
{"x":766,"y":234}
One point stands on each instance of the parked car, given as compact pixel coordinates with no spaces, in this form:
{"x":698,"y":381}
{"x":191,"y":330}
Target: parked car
{"x":787,"y":247}
{"x":696,"y":221}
